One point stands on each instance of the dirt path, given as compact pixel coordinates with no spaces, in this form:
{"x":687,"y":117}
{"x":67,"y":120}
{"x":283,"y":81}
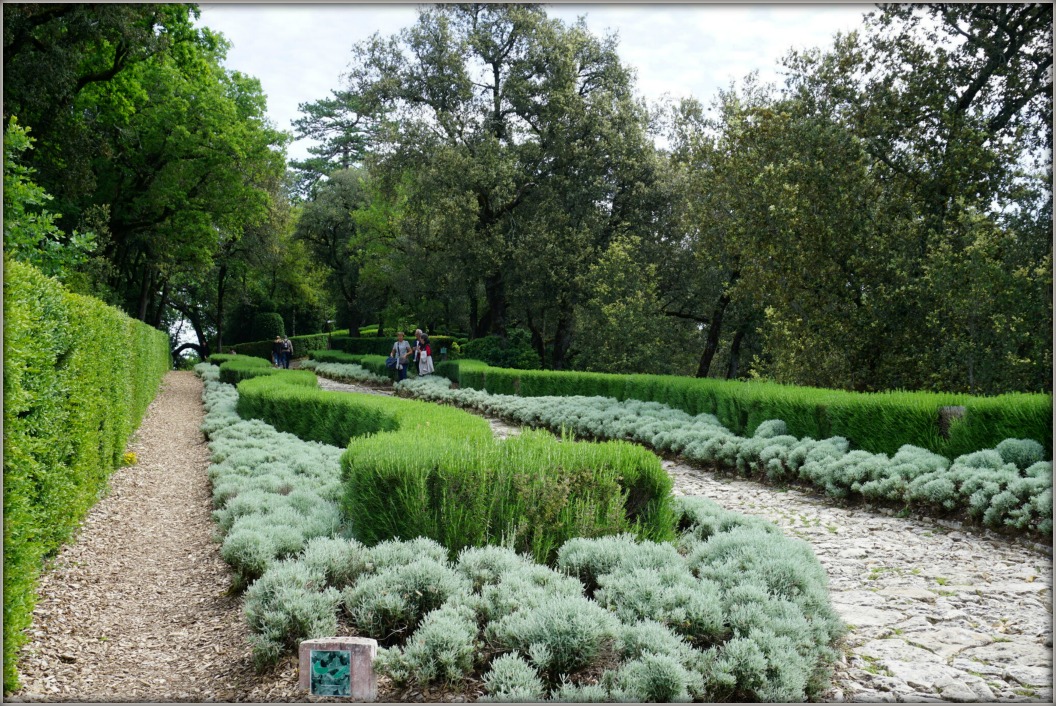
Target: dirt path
{"x":136,"y":609}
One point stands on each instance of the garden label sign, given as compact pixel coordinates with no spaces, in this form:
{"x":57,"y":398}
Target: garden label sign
{"x":339,"y":666}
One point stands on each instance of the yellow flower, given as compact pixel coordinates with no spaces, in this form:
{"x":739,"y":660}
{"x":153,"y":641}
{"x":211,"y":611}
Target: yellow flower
{"x":129,"y":459}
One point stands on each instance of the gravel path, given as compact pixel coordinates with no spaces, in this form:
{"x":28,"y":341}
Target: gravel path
{"x":137,"y":608}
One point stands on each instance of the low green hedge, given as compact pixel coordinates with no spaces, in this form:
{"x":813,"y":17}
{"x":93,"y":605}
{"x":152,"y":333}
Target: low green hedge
{"x":373,"y":363}
{"x":877,"y":422}
{"x":242,"y":367}
{"x":383,"y":346}
{"x":78,"y":377}
{"x":301,"y":346}
{"x":1008,"y":487}
{"x":416,"y":469}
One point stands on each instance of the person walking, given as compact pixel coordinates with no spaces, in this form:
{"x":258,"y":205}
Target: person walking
{"x":401,"y":351}
{"x":287,"y":352}
{"x":425,"y":356}
{"x":276,"y":352}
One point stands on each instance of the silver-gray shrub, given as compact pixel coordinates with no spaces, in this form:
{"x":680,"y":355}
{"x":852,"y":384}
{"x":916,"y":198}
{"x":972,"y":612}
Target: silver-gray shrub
{"x":1022,"y":452}
{"x":671,"y":596}
{"x":345,"y":372}
{"x":590,"y":559}
{"x":272,"y":492}
{"x":512,"y":679}
{"x":341,"y":561}
{"x":390,"y":603}
{"x":442,"y":649}
{"x":913,"y":475}
{"x":485,"y":566}
{"x":654,"y":678}
{"x":288,"y":604}
{"x":565,"y":636}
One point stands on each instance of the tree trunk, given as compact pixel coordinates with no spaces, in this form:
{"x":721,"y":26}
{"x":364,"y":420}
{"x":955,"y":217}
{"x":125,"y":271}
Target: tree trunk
{"x":562,"y":341}
{"x":160,"y":308}
{"x":538,"y":341}
{"x":221,"y":285}
{"x":145,"y":287}
{"x":714,"y":331}
{"x":735,"y":353}
{"x":495,"y":291}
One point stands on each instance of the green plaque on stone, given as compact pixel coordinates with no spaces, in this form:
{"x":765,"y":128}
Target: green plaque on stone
{"x":331,"y":673}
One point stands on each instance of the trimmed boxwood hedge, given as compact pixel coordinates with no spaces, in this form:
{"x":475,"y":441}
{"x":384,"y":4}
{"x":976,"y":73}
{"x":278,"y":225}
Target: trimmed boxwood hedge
{"x":383,"y":346}
{"x":417,"y":469}
{"x":262,"y":349}
{"x":78,"y":377}
{"x":877,"y":422}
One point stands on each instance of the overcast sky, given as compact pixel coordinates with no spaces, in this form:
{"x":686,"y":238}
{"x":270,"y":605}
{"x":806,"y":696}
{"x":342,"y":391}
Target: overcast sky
{"x":300,"y":51}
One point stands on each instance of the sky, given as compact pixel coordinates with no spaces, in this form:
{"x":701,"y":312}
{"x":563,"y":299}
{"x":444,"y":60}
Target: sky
{"x":299,"y":51}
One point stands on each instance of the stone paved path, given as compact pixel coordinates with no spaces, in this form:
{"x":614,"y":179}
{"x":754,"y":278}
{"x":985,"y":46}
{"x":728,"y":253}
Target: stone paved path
{"x":937,"y":612}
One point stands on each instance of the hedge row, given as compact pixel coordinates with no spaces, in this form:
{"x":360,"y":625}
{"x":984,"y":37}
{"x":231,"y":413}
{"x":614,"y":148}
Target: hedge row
{"x":877,"y":422}
{"x":78,"y":377}
{"x":731,"y":611}
{"x":301,"y":346}
{"x":383,"y":346}
{"x":417,"y":469}
{"x":1006,"y":487}
{"x":371,"y":362}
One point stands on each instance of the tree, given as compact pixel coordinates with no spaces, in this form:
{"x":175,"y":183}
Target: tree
{"x":344,"y":134}
{"x":347,"y":229}
{"x":499,"y":116}
{"x":954,"y":104}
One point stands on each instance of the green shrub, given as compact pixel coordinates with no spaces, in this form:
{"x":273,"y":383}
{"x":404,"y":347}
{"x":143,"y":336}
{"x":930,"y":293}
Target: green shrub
{"x":515,"y":351}
{"x":1022,"y":452}
{"x":267,"y":325}
{"x":531,"y":492}
{"x":654,"y":678}
{"x":78,"y":377}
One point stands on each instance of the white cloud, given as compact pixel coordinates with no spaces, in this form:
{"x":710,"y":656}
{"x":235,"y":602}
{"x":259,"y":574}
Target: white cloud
{"x":299,"y":52}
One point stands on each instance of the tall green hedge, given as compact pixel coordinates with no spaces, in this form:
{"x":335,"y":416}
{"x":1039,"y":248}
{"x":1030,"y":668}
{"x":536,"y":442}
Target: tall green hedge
{"x":877,"y":422}
{"x":78,"y":377}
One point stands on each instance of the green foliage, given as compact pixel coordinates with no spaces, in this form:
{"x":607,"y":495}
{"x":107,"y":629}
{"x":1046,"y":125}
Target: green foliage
{"x":912,"y":475}
{"x":515,"y":351}
{"x":78,"y":377}
{"x":30,"y":232}
{"x":267,"y":325}
{"x":241,"y":367}
{"x":877,"y":422}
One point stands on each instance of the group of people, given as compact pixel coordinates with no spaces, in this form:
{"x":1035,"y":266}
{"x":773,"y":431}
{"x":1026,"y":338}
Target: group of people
{"x":420,"y":354}
{"x":281,"y":352}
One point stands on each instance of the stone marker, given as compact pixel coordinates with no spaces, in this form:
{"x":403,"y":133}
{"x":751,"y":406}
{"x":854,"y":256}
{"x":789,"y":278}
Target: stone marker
{"x":339,"y":666}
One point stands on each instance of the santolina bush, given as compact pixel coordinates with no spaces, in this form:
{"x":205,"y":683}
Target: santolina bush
{"x":78,"y":378}
{"x":1006,"y":487}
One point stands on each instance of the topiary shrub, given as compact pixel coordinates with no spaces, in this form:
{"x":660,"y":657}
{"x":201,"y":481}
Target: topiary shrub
{"x":267,"y":325}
